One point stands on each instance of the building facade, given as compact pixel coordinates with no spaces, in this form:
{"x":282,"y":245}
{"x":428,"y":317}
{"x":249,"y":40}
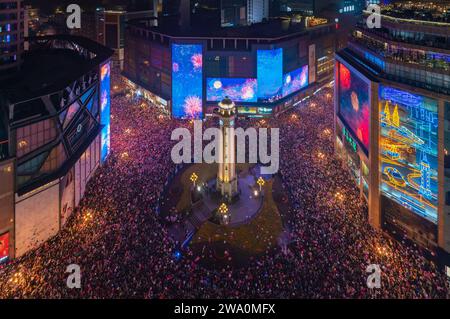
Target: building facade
{"x":188,"y":73}
{"x":11,"y":34}
{"x":54,"y":133}
{"x":110,"y":29}
{"x":392,"y":106}
{"x":257,"y":10}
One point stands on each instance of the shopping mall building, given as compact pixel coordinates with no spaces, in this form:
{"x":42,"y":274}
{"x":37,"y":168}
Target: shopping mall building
{"x":54,"y":134}
{"x":392,"y":123}
{"x":264,"y":68}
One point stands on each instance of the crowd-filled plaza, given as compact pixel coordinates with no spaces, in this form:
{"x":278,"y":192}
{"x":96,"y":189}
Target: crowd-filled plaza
{"x":124,"y":249}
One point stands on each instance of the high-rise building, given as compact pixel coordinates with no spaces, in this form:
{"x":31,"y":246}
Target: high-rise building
{"x":54,"y":134}
{"x":392,"y":114}
{"x":213,"y":13}
{"x":234,"y":12}
{"x":110,"y":28}
{"x":257,"y":10}
{"x":11,"y":34}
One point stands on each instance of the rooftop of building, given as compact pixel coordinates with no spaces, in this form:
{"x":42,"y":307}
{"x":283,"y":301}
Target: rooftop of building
{"x":438,"y":12}
{"x":273,"y":28}
{"x":54,"y":63}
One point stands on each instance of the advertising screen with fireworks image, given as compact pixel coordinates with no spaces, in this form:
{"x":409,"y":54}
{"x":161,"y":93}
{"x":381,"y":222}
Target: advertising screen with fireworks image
{"x":237,"y":89}
{"x":4,"y":247}
{"x":408,"y":150}
{"x":105,"y":106}
{"x":270,"y":74}
{"x":295,"y":80}
{"x":187,"y":92}
{"x":354,"y":104}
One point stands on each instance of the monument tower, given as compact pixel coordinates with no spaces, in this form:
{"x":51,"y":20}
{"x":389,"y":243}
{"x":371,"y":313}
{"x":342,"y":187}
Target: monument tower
{"x":226,"y":174}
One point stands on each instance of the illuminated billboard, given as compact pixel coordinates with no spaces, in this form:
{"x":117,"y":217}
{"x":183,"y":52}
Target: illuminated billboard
{"x":237,"y":89}
{"x":105,"y":107}
{"x":4,"y":247}
{"x":295,"y":80}
{"x":354,"y":104}
{"x":269,"y":74}
{"x":408,"y":150}
{"x":187,"y":91}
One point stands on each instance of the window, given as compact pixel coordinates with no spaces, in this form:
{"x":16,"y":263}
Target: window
{"x":54,"y":160}
{"x":33,"y":136}
{"x":31,"y":166}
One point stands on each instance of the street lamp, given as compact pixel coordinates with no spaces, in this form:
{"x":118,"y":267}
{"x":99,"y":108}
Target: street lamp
{"x":223,"y":210}
{"x":194,"y":177}
{"x":260,"y":182}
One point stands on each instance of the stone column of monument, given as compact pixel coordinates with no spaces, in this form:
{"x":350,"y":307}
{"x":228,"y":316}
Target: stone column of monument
{"x":226,"y":174}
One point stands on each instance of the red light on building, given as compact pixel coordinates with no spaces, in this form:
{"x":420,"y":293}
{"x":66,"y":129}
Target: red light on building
{"x":4,"y":247}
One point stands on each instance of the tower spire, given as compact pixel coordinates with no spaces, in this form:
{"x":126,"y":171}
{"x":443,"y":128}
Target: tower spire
{"x":226,"y":174}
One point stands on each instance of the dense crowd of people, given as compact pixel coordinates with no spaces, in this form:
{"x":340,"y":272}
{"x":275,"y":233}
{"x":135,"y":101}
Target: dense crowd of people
{"x":123,"y":248}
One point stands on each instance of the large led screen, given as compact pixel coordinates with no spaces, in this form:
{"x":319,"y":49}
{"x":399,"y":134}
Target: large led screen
{"x":270,"y":74}
{"x":187,"y":92}
{"x":237,"y":89}
{"x":295,"y":80}
{"x":408,"y":150}
{"x":105,"y":104}
{"x":4,"y":247}
{"x":354,"y":104}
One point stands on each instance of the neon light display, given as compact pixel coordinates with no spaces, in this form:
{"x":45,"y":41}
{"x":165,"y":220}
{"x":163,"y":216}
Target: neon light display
{"x":295,"y":80}
{"x":270,"y":74}
{"x":354,"y":104}
{"x":349,"y":139}
{"x":408,"y":150}
{"x":4,"y":247}
{"x":237,"y":89}
{"x":105,"y":106}
{"x":187,"y":91}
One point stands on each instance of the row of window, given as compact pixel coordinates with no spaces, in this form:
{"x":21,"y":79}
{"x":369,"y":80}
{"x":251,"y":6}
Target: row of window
{"x":8,"y":49}
{"x":347,"y":9}
{"x":8,"y":5}
{"x":8,"y":16}
{"x":434,"y":80}
{"x":8,"y":38}
{"x":35,"y":136}
{"x":7,"y":59}
{"x":8,"y":27}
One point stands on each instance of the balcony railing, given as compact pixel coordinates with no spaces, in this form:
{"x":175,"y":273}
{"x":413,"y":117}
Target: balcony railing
{"x":428,"y":40}
{"x":400,"y":55}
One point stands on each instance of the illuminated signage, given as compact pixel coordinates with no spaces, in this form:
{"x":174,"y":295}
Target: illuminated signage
{"x":409,"y":150}
{"x":105,"y":109}
{"x":187,"y":81}
{"x":237,"y":89}
{"x":349,"y":139}
{"x":354,"y":104}
{"x":295,"y":80}
{"x":269,"y":74}
{"x":4,"y":247}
